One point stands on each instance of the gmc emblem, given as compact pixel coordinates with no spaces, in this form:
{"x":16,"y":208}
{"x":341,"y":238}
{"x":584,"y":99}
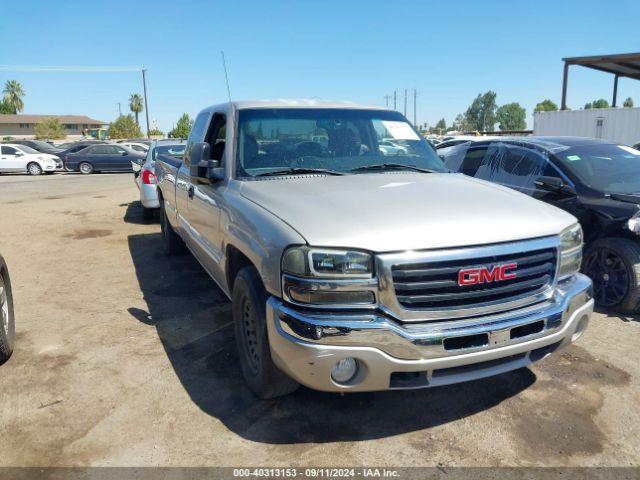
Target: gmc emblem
{"x":476,"y":276}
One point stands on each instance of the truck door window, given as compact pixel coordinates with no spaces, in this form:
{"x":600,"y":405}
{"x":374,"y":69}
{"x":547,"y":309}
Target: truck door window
{"x":217,"y":137}
{"x":196,"y":135}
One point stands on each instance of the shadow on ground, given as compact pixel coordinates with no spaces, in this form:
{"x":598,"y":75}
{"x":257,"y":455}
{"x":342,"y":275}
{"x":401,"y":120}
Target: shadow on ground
{"x":193,"y":320}
{"x":134,"y":214}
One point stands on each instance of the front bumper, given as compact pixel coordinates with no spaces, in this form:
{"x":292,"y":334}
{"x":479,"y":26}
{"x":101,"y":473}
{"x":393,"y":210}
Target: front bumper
{"x":392,"y":355}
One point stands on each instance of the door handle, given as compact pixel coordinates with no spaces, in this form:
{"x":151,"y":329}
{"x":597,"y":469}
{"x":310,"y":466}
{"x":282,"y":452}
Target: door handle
{"x":190,"y":191}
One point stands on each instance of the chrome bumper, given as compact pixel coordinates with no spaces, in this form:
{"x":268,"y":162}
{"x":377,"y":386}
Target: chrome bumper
{"x":393,"y":355}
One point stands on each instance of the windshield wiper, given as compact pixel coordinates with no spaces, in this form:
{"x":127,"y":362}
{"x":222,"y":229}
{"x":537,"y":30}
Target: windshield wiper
{"x":393,"y":166}
{"x":300,"y":171}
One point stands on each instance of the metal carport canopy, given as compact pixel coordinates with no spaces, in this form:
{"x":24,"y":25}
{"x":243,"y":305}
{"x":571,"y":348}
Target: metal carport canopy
{"x":620,"y":65}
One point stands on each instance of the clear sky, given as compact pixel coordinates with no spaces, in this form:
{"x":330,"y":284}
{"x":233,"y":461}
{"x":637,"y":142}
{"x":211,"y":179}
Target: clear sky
{"x":331,"y":49}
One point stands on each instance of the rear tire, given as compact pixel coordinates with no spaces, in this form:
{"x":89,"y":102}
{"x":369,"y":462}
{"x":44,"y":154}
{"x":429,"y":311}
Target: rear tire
{"x":85,"y":168}
{"x":614,"y":266}
{"x":7,"y":322}
{"x":264,"y":379}
{"x":34,"y":169}
{"x":172,"y":244}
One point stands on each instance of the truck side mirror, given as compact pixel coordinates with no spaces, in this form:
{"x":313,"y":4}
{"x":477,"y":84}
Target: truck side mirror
{"x":201,"y":165}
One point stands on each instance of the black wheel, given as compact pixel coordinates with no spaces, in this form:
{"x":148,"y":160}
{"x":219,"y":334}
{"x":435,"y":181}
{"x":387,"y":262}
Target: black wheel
{"x":85,"y":168}
{"x":34,"y":169}
{"x":265,"y":380}
{"x":7,"y":325}
{"x":614,"y":267}
{"x":148,"y":213}
{"x":172,"y":244}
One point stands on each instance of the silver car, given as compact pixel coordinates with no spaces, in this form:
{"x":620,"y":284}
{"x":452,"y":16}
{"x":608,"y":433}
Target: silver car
{"x":144,"y":176}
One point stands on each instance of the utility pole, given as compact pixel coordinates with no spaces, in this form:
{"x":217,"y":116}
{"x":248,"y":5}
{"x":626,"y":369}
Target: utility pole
{"x":146,"y":105}
{"x":415,"y":112}
{"x":119,"y":110}
{"x":394,"y":100}
{"x":405,"y":102}
{"x":386,"y":100}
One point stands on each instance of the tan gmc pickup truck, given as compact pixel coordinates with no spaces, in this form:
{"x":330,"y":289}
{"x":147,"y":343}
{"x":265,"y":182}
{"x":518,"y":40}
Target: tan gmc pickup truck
{"x":355,"y":261}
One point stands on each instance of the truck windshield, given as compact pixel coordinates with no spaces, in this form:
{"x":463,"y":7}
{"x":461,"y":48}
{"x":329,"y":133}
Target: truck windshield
{"x":606,"y":168}
{"x":340,"y":140}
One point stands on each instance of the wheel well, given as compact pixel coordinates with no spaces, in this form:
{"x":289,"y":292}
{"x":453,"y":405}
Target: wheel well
{"x":236,"y":261}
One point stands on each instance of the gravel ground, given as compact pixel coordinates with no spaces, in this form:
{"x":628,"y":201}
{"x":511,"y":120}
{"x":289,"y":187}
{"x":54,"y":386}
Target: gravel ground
{"x":125,"y":357}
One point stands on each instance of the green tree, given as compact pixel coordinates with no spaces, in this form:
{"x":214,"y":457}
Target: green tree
{"x":50,"y":129}
{"x":588,"y":105}
{"x":546,"y":106}
{"x":124,"y":126}
{"x":182,"y":128}
{"x":628,"y":103}
{"x":156,"y":132}
{"x":481,"y":114}
{"x":4,"y":108}
{"x":441,"y":126}
{"x":511,"y":117}
{"x":600,"y":103}
{"x":13,"y":93}
{"x":136,"y":105}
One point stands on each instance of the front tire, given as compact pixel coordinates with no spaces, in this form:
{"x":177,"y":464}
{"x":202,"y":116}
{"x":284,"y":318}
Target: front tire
{"x":34,"y":169}
{"x":85,"y":168}
{"x":614,"y":267}
{"x":264,"y":379}
{"x":7,"y":323}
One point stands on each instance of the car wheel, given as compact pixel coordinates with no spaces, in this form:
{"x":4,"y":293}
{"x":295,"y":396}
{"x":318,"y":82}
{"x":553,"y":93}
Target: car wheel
{"x":7,"y":325}
{"x":85,"y":168}
{"x":34,"y":169}
{"x":172,"y":244}
{"x":264,"y":379}
{"x":613,"y":264}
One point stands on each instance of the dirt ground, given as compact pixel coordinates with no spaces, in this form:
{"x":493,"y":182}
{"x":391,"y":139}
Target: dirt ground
{"x":125,"y":357}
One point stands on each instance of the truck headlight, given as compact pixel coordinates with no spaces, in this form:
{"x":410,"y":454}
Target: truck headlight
{"x":326,"y":277}
{"x":327,"y":263}
{"x":570,"y":251}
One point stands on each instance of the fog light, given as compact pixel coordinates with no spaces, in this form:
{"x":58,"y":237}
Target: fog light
{"x":344,"y":370}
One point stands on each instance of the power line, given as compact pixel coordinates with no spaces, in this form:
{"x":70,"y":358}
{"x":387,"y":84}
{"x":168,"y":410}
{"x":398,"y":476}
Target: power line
{"x":69,"y":68}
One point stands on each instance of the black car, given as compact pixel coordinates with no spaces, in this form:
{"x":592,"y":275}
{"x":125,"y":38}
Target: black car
{"x":39,"y":145}
{"x":596,"y":181}
{"x":100,"y":158}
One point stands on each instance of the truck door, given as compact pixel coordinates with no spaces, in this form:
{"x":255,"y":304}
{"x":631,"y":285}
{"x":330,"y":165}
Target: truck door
{"x":204,"y":207}
{"x":184,"y":186}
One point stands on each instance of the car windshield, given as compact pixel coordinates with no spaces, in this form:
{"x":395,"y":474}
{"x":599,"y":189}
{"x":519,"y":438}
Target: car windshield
{"x":41,"y":144}
{"x":606,"y":168}
{"x":300,"y":140}
{"x":173,"y":150}
{"x":26,"y":149}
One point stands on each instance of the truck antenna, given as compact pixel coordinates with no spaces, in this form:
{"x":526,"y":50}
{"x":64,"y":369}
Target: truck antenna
{"x":226,"y":75}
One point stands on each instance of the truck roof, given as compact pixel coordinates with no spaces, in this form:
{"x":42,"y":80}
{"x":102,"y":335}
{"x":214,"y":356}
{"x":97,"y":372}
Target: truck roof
{"x":295,"y":103}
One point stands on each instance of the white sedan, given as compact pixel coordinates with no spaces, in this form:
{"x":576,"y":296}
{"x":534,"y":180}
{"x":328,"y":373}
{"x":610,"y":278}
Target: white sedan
{"x":136,"y":146}
{"x":20,"y":158}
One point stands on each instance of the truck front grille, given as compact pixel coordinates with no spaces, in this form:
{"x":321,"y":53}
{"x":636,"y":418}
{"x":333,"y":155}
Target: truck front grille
{"x":434,"y":285}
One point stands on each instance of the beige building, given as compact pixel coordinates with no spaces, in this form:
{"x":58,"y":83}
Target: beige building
{"x":23,"y":126}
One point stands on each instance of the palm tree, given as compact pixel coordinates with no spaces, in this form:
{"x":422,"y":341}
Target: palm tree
{"x":136,"y":105}
{"x":13,"y":93}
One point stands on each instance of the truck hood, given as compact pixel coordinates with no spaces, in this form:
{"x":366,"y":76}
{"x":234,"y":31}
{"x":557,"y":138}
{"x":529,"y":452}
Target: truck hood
{"x":385,"y":212}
